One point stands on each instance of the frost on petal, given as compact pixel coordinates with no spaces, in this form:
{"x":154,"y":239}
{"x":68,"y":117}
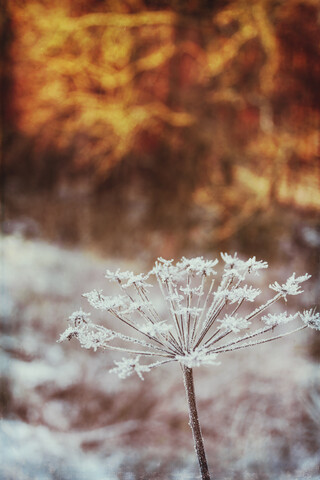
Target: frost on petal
{"x":88,"y":334}
{"x":154,"y":329}
{"x":273,"y":319}
{"x":97,"y":300}
{"x":229,"y":259}
{"x":188,"y":290}
{"x":135,"y":306}
{"x":78,"y":321}
{"x":233,"y":263}
{"x":197,"y":358}
{"x":166,"y":271}
{"x":113,"y":276}
{"x":243,"y":293}
{"x":238,"y":267}
{"x":221,"y":294}
{"x":68,"y":334}
{"x":137,"y":281}
{"x":128,"y":278}
{"x":234,"y":323}
{"x":291,"y":287}
{"x":164,"y":262}
{"x":117,"y":303}
{"x":311,"y":318}
{"x":127,"y":366}
{"x":197,"y":266}
{"x":91,"y":338}
{"x":175,"y":297}
{"x":254,"y":265}
{"x":79,"y":317}
{"x":188,"y":311}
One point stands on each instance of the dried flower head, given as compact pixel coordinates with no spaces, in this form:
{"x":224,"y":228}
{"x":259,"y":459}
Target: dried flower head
{"x":201,"y":322}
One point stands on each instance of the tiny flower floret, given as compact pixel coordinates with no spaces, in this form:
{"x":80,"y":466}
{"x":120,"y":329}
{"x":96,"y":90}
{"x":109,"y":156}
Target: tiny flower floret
{"x":239,"y":267}
{"x":127,"y":278}
{"x":240,"y":294}
{"x":311,"y":318}
{"x":291,"y":287}
{"x":234,"y":323}
{"x":102,"y":302}
{"x":198,"y":266}
{"x":202,"y":314}
{"x":174,"y":297}
{"x":154,"y":329}
{"x":88,"y":334}
{"x":128,"y":366}
{"x":254,"y":265}
{"x":273,"y":319}
{"x":79,"y":317}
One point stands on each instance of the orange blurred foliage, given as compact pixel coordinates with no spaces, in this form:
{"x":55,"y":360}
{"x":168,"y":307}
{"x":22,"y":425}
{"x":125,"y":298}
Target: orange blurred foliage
{"x":217,"y":96}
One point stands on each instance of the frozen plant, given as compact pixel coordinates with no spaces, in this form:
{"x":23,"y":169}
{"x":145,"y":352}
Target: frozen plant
{"x":201,"y":322}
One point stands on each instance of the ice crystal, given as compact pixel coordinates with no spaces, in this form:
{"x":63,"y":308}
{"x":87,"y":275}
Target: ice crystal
{"x":200,"y":322}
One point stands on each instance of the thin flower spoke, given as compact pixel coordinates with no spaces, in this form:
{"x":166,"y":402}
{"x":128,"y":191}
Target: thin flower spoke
{"x":259,"y":342}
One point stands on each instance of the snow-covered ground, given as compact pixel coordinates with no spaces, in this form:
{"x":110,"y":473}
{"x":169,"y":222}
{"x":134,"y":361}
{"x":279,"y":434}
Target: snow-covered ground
{"x":65,"y":417}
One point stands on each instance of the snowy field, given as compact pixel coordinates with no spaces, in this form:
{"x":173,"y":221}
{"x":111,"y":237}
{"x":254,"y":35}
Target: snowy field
{"x":65,"y":417}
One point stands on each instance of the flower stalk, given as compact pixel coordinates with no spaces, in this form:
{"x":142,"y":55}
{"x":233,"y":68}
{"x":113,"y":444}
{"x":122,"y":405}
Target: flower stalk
{"x":194,"y":422}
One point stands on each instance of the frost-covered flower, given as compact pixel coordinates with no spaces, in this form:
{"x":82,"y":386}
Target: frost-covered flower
{"x":200,"y":321}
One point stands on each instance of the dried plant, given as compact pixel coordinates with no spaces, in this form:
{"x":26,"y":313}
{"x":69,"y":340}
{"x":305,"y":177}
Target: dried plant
{"x":202,"y":322}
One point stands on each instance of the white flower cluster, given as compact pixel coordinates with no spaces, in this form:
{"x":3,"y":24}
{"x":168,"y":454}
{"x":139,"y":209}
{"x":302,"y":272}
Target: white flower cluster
{"x":88,"y":334}
{"x":202,"y":321}
{"x":127,"y":366}
{"x":291,"y":287}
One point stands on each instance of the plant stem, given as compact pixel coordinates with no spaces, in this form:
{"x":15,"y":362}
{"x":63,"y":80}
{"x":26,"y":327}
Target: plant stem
{"x":194,"y":422}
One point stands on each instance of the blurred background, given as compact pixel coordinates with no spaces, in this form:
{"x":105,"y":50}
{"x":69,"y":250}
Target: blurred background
{"x":134,"y":129}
